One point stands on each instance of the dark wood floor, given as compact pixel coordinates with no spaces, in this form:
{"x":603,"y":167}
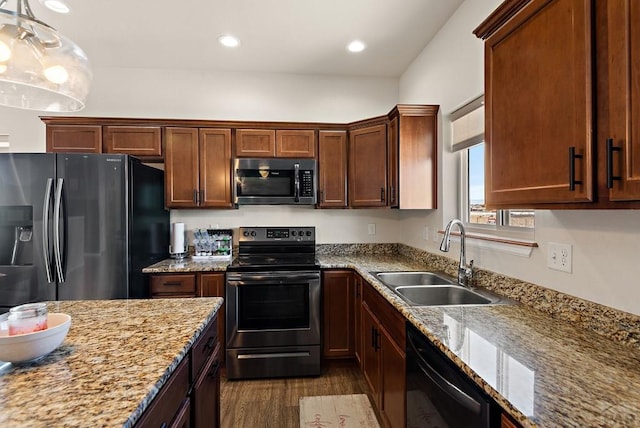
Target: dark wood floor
{"x":273,"y":403}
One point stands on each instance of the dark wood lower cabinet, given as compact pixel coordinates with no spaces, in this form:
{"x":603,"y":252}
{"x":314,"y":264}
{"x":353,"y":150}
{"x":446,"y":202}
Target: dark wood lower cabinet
{"x":191,"y":396}
{"x":337,"y":314}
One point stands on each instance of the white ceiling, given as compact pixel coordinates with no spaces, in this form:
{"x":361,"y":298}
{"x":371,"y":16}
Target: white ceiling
{"x":280,"y":36}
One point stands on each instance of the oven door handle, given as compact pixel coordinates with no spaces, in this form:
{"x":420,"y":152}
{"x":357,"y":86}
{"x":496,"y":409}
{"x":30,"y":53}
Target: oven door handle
{"x":252,"y":279}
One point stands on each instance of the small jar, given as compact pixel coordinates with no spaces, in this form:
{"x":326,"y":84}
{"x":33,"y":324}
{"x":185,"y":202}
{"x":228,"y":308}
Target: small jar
{"x":27,"y":318}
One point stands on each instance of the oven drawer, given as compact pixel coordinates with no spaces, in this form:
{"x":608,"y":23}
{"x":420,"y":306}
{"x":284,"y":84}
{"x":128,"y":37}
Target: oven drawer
{"x":269,"y":362}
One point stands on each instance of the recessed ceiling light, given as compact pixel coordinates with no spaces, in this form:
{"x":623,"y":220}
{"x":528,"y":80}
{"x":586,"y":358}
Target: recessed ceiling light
{"x":228,"y":41}
{"x":356,"y":46}
{"x":59,"y":6}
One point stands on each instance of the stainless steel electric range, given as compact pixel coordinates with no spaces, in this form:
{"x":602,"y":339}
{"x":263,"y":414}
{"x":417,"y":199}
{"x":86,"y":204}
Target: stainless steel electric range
{"x":273,"y":304}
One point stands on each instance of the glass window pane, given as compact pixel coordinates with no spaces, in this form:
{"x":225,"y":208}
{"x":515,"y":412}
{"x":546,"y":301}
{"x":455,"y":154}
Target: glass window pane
{"x":519,"y":218}
{"x":477,"y":212}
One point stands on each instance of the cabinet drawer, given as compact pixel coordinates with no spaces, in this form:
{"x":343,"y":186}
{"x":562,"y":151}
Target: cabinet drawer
{"x":204,"y":346}
{"x":205,"y":393}
{"x":389,"y":316}
{"x":184,"y":285}
{"x":167,"y":403}
{"x":142,"y":141}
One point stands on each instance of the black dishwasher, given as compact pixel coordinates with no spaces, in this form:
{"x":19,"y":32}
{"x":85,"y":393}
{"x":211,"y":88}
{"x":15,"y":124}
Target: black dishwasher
{"x":438,"y":393}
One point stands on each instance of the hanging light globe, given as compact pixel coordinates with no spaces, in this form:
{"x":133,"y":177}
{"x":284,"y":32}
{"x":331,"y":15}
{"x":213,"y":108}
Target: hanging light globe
{"x":40,"y":69}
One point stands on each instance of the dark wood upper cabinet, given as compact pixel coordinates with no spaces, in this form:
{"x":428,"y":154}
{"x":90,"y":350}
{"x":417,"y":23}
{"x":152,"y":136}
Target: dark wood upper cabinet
{"x":181,"y":164}
{"x":368,"y":167}
{"x":413,"y":157}
{"x":622,"y":135}
{"x":539,"y":103}
{"x":74,"y":138}
{"x":215,"y":168}
{"x":332,"y":169}
{"x":255,"y":143}
{"x":296,"y":143}
{"x":141,"y":141}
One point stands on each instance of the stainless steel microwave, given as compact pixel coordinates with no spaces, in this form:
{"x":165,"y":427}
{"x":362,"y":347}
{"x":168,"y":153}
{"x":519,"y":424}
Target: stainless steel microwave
{"x":274,"y":181}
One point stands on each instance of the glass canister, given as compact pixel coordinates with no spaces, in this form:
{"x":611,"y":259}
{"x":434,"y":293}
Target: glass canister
{"x":27,"y":318}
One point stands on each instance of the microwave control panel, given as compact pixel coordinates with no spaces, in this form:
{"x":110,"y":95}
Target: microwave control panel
{"x":306,"y":183}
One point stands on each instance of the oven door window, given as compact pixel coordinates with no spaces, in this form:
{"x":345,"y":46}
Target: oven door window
{"x":273,"y":307}
{"x":251,"y":182}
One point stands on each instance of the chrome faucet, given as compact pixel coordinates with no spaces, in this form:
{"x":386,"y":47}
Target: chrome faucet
{"x":465,"y":272}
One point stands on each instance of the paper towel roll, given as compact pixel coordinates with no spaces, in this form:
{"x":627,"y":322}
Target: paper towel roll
{"x":177,"y":238}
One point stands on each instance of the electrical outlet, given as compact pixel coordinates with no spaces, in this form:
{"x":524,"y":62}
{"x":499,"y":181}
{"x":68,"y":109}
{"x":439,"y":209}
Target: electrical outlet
{"x":425,"y":233}
{"x":371,"y":227}
{"x":559,"y":257}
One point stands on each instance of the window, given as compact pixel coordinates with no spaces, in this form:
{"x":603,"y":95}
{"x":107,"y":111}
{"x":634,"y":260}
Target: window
{"x":468,"y":140}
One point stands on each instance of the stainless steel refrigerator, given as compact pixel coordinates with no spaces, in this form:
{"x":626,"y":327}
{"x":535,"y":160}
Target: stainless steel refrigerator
{"x":78,"y":226}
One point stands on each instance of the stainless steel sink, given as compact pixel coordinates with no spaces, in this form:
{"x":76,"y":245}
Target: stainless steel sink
{"x":436,"y":289}
{"x":420,"y":295}
{"x":398,"y":279}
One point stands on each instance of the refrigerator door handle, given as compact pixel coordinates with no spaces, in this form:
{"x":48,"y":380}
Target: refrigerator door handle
{"x":45,"y":230}
{"x":56,"y":229}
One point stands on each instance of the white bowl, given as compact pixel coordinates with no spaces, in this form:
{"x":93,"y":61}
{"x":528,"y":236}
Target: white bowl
{"x":21,"y":348}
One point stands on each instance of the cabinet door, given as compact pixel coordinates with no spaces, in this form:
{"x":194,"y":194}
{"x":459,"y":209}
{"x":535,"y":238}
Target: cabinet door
{"x":357,"y":317}
{"x":539,"y":104}
{"x":337,"y":308}
{"x":255,"y":143}
{"x":623,"y":152}
{"x":206,"y":394}
{"x":74,"y":138}
{"x":392,"y":162}
{"x":181,"y":168}
{"x":370,"y":352}
{"x":213,"y":285}
{"x":296,"y":143}
{"x":142,"y":141}
{"x":368,"y":167}
{"x":393,"y":391}
{"x":332,"y":169}
{"x":215,"y":168}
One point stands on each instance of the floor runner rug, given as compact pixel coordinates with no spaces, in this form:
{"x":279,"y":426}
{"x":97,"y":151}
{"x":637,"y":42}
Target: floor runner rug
{"x":337,"y":411}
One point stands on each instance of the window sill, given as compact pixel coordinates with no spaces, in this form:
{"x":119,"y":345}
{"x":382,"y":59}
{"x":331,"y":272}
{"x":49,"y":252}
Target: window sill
{"x":517,"y":247}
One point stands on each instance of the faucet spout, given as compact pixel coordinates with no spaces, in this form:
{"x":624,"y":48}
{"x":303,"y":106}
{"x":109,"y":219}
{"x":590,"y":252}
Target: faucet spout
{"x":465,"y":272}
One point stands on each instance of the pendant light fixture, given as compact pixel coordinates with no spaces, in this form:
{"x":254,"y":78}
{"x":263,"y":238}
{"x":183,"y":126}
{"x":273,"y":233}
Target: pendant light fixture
{"x":40,"y":69}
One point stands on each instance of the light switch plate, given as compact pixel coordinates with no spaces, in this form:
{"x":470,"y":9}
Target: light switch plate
{"x":371,"y":228}
{"x":559,"y":257}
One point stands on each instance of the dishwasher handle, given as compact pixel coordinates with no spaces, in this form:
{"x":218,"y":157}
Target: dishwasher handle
{"x":445,"y":385}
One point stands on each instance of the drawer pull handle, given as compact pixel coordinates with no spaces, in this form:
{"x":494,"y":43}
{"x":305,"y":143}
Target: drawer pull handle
{"x":214,"y":369}
{"x":210,"y":343}
{"x":172,"y":283}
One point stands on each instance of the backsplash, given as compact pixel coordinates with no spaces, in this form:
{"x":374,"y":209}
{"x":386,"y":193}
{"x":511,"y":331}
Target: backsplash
{"x":609,"y":322}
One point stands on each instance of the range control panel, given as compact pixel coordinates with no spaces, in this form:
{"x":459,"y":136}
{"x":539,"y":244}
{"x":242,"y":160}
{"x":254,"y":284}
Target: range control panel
{"x":273,"y":234}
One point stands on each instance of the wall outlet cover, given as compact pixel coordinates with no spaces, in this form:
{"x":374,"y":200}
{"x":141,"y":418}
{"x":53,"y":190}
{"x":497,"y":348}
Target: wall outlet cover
{"x":560,"y":257}
{"x":371,"y":228}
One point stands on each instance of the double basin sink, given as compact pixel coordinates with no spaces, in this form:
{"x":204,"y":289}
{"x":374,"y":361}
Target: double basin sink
{"x":435,"y":289}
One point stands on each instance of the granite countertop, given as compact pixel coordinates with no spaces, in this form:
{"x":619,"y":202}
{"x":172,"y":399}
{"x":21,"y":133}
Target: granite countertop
{"x":542,"y":370}
{"x":116,"y":356}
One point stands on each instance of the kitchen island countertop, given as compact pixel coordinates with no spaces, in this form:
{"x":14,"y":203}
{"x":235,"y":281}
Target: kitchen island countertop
{"x":115,"y":358}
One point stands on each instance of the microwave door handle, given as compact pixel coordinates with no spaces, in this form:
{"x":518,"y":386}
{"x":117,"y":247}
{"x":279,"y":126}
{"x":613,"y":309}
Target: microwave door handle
{"x":296,"y":175}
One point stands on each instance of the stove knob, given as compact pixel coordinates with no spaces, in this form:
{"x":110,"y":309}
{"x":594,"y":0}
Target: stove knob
{"x":301,"y":233}
{"x":308,"y":233}
{"x":294,"y":233}
{"x":253,"y":233}
{"x":245,"y":233}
